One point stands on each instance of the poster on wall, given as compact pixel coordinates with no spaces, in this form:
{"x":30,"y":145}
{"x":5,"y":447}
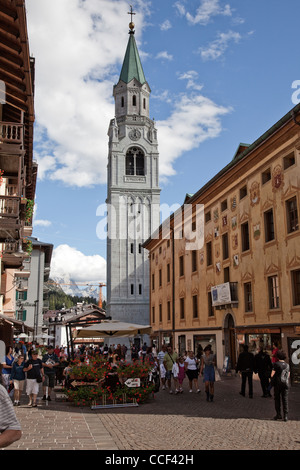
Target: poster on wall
{"x":220,"y":294}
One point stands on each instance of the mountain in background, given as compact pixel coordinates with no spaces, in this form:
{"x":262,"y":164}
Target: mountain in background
{"x":69,"y":287}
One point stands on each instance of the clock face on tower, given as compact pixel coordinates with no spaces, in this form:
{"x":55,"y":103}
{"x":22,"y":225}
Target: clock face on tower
{"x":134,"y":134}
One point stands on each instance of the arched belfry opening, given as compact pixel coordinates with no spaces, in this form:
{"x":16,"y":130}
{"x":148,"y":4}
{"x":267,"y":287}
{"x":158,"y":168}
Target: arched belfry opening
{"x":135,"y":162}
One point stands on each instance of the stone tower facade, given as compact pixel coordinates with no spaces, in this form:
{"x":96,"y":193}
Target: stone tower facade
{"x":133,"y":194}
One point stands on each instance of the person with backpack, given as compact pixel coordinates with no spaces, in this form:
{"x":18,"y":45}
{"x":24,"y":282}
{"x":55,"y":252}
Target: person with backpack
{"x":280,"y":380}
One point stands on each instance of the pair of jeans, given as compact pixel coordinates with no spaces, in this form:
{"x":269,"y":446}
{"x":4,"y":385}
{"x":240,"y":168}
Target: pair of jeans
{"x":247,"y":376}
{"x":281,"y":395}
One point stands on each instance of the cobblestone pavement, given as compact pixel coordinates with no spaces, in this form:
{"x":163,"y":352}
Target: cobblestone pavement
{"x":167,"y":422}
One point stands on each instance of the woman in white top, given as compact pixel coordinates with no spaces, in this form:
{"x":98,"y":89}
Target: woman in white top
{"x":191,"y":369}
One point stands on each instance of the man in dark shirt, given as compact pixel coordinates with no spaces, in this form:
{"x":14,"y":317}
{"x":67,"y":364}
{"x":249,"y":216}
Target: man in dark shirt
{"x":281,"y":389}
{"x":50,"y":362}
{"x":245,"y":365}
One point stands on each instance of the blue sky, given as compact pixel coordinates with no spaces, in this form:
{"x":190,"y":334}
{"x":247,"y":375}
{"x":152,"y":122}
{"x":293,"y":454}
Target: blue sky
{"x":221,"y":73}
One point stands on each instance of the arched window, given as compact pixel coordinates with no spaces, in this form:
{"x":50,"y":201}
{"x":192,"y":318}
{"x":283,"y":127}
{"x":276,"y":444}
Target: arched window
{"x":135,"y":162}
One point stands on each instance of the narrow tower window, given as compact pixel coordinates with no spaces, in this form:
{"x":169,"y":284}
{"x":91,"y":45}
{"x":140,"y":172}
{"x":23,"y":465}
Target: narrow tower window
{"x":122,"y":102}
{"x":134,"y":100}
{"x":135,"y":162}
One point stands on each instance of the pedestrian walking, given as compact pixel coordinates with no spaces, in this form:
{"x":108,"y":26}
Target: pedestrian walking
{"x":7,"y":367}
{"x":35,"y":374}
{"x":181,"y":373}
{"x":18,"y":378}
{"x":192,"y":372}
{"x":263,"y":367}
{"x":208,"y":364}
{"x":170,"y":358}
{"x":50,"y":361}
{"x":10,"y":428}
{"x":280,"y":380}
{"x":275,"y":349}
{"x":162,"y":369}
{"x":245,"y":365}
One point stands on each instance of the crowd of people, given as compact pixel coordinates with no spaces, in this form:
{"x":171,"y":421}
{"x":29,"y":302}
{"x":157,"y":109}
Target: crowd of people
{"x":34,"y":365}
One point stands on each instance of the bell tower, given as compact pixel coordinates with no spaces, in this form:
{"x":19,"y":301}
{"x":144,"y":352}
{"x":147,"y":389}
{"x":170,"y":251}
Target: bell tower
{"x":133,"y":193}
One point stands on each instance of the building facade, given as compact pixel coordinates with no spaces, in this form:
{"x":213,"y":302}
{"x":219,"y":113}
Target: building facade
{"x":133,"y":194}
{"x":240,"y":283}
{"x":18,"y":171}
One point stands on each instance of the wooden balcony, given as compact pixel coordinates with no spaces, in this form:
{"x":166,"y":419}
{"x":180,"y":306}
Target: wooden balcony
{"x":10,"y":217}
{"x":11,"y":133}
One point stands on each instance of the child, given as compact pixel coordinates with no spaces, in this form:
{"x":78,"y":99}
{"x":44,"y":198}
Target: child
{"x":181,"y":373}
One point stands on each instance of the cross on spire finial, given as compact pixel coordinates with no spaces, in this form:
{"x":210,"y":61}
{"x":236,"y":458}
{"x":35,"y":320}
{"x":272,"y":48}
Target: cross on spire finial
{"x":131,"y":24}
{"x":131,"y":12}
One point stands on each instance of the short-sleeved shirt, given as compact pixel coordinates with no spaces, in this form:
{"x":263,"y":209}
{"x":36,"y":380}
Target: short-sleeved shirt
{"x":51,"y":359}
{"x":8,"y":419}
{"x":191,"y":363}
{"x":36,"y":368}
{"x":170,"y":359}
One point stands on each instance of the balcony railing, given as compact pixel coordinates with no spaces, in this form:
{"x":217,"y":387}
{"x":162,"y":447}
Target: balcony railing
{"x":9,"y":206}
{"x":11,"y":133}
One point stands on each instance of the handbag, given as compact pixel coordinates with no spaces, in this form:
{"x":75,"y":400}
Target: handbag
{"x":217,"y":375}
{"x":39,"y":379}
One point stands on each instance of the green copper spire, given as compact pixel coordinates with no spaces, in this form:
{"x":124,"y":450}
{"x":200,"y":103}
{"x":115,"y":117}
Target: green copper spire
{"x":132,"y":66}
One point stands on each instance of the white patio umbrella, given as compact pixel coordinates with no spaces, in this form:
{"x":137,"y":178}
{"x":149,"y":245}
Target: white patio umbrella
{"x":44,"y":336}
{"x":110,"y":328}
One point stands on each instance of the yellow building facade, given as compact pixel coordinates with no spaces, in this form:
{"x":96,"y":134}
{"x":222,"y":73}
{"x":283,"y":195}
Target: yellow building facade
{"x":225,"y":268}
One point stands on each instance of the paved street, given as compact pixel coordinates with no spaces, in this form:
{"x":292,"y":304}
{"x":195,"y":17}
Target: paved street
{"x":167,"y":422}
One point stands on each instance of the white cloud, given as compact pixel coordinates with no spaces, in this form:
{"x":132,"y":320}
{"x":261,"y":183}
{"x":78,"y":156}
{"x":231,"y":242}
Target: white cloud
{"x":164,"y":55}
{"x":217,"y":48}
{"x":166,"y":25}
{"x":69,"y":263}
{"x":204,"y":13}
{"x":194,"y":119}
{"x":191,"y":76}
{"x":42,"y":223}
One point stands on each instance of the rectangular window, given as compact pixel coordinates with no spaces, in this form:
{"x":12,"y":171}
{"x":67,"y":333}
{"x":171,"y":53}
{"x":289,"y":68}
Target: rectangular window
{"x":245,"y":236}
{"x":194,"y":261}
{"x":132,"y":289}
{"x":226,"y":274}
{"x":160,"y":278}
{"x":292,"y":215}
{"x":153,"y":282}
{"x":207,"y":216}
{"x":211,"y":310}
{"x":248,"y":297}
{"x":195,"y":306}
{"x":181,"y":266}
{"x":168,"y":272}
{"x":243,"y":192}
{"x":140,"y":289}
{"x":225,"y":246}
{"x":266,"y":176}
{"x":296,"y":287}
{"x":224,"y":205}
{"x":181,"y":308}
{"x":208,"y":254}
{"x":169,"y":310}
{"x":153,"y":314}
{"x":160,"y":313}
{"x":269,"y":226}
{"x":273,"y":287}
{"x":289,"y":160}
